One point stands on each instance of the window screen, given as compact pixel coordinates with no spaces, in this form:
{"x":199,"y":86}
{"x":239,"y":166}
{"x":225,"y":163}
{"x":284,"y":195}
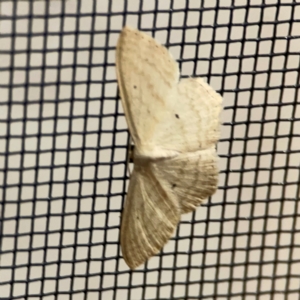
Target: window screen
{"x":63,"y":151}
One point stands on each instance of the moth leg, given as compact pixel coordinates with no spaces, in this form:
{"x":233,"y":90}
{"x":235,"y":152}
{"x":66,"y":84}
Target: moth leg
{"x":130,"y":154}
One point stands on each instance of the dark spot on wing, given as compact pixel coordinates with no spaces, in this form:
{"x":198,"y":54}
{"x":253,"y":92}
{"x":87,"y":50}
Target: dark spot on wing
{"x":134,"y":86}
{"x":173,"y":185}
{"x":177,"y":116}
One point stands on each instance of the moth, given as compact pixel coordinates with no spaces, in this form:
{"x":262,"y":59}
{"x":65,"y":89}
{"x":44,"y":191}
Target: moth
{"x":175,"y":125}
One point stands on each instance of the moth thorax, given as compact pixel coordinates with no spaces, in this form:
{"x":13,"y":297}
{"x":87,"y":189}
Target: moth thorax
{"x":148,"y":154}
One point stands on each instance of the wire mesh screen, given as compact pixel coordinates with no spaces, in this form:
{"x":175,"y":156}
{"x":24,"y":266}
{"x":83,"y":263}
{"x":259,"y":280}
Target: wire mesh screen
{"x":63,"y":150}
